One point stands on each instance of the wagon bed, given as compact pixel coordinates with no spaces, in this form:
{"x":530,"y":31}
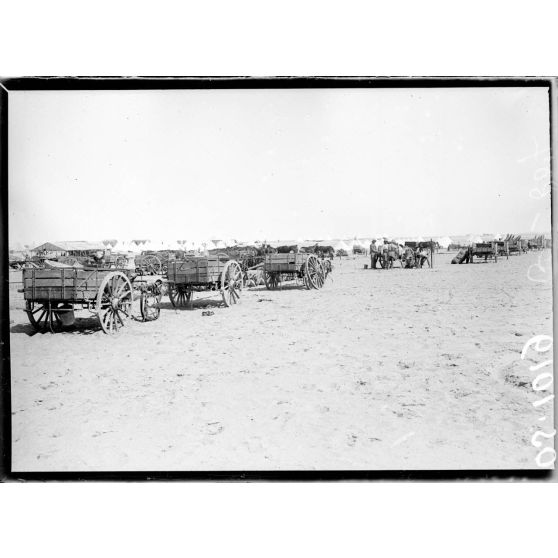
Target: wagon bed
{"x":197,"y":270}
{"x":62,"y":284}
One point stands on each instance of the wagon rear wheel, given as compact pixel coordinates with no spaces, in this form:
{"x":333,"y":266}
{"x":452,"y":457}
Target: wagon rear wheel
{"x":313,"y":272}
{"x":150,"y":301}
{"x":114,"y":301}
{"x":179,"y":295}
{"x":43,"y":316}
{"x":272,"y":280}
{"x":232,"y":282}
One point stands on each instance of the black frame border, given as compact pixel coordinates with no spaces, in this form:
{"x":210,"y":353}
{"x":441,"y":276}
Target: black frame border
{"x":222,"y":82}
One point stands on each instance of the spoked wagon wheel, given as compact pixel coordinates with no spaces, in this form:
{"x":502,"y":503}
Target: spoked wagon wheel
{"x":179,"y":295}
{"x":232,"y":282}
{"x":114,"y":301}
{"x":272,"y":280}
{"x":42,"y":315}
{"x":151,"y":265}
{"x":150,"y":301}
{"x":313,"y":273}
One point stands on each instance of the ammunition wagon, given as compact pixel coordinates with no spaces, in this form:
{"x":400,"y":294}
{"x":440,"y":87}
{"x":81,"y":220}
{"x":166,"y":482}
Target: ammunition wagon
{"x":306,"y":268}
{"x":203,"y":274}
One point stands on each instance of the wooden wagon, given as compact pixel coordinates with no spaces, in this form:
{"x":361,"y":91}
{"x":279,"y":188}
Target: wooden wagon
{"x":486,"y":250}
{"x":204,"y":273}
{"x":536,"y":243}
{"x":293,"y":267}
{"x":51,"y":295}
{"x":503,"y":248}
{"x":514,"y":244}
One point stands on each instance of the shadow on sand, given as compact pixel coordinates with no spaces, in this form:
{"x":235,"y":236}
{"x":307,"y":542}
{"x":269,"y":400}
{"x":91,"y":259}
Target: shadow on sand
{"x":286,"y":287}
{"x":200,"y":304}
{"x":82,"y":326}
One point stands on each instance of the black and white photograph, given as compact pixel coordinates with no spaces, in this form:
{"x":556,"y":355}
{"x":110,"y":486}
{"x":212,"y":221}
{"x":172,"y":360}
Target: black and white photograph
{"x":267,"y":275}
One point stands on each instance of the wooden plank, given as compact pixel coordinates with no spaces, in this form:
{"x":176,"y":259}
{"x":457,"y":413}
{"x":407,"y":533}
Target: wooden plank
{"x":67,"y":273}
{"x":284,"y":263}
{"x":197,"y":270}
{"x":62,"y":284}
{"x":58,"y":282}
{"x":58,"y":293}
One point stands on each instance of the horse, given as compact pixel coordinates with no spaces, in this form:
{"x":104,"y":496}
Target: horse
{"x":389,"y":253}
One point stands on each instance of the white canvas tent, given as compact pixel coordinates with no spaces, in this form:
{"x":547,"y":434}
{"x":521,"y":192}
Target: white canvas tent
{"x":471,"y":239}
{"x":341,"y":245}
{"x":208,"y":245}
{"x":150,"y":246}
{"x":139,"y":245}
{"x":128,"y":246}
{"x":172,"y":245}
{"x":117,"y":246}
{"x":16,"y":247}
{"x":444,"y":241}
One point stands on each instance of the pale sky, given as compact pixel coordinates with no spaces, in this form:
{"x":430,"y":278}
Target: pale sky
{"x":269,"y":164}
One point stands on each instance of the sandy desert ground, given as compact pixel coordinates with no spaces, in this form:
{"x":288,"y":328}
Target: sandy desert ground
{"x":400,"y":369}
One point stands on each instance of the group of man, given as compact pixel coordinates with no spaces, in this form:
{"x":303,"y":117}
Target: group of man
{"x":379,"y":251}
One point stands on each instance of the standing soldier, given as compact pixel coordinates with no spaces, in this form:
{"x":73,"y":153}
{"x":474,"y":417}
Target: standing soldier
{"x":373,"y":254}
{"x":423,"y":256}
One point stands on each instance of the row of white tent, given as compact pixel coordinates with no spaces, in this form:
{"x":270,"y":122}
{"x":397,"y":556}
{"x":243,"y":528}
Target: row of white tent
{"x":138,"y":246}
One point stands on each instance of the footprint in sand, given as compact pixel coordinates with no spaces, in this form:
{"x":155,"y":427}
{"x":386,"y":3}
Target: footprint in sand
{"x":214,"y":428}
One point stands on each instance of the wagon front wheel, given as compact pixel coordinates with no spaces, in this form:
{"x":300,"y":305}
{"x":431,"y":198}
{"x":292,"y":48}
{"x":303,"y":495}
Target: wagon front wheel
{"x":43,"y":316}
{"x":232,"y":282}
{"x":114,"y":301}
{"x":272,"y":280}
{"x":313,"y":273}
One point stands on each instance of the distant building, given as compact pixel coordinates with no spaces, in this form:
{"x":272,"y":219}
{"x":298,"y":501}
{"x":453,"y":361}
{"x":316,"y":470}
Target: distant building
{"x":68,"y":248}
